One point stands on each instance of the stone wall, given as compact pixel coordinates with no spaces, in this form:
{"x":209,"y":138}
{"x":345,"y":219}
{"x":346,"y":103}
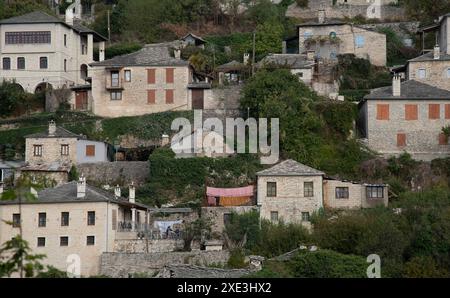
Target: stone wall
{"x":192,"y":271}
{"x":216,"y":215}
{"x":112,"y":173}
{"x":146,"y":246}
{"x":125,"y":265}
{"x":224,"y":97}
{"x":437,"y":73}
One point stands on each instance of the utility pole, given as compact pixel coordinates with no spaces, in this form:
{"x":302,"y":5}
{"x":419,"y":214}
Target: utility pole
{"x":109,"y":28}
{"x":254,"y":50}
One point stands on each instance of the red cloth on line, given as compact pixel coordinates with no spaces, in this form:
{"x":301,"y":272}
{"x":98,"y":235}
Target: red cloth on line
{"x":230,"y":192}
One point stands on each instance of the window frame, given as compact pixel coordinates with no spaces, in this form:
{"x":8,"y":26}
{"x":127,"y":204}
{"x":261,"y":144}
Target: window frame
{"x":42,"y":219}
{"x":127,"y":78}
{"x":117,"y":95}
{"x":342,"y":192}
{"x":88,"y":243}
{"x":16,"y":220}
{"x":360,"y":41}
{"x":63,"y":219}
{"x":45,"y":60}
{"x":272,"y":213}
{"x":308,"y":192}
{"x":87,"y":151}
{"x":419,"y":70}
{"x":19,"y":64}
{"x":91,"y":218}
{"x":65,"y":244}
{"x":37,"y":150}
{"x":306,"y":217}
{"x":9,"y":63}
{"x":271,"y":189}
{"x":28,"y":37}
{"x":39,"y":242}
{"x":65,"y":149}
{"x":370,"y":192}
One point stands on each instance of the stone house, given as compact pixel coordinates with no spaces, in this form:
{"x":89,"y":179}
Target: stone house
{"x":40,"y":52}
{"x":191,"y":39}
{"x":51,"y":153}
{"x":291,"y":192}
{"x":408,"y":116}
{"x":153,"y":79}
{"x":8,"y":170}
{"x":73,"y":221}
{"x":330,"y":38}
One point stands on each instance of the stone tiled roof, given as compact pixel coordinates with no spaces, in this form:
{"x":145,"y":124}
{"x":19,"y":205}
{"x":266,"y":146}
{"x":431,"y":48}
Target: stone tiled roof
{"x":195,"y":37}
{"x":290,"y":168}
{"x":410,"y":90}
{"x":430,"y":57}
{"x":293,"y":61}
{"x":231,"y":66}
{"x":60,"y":133}
{"x":151,"y":55}
{"x":40,"y":17}
{"x":67,"y":193}
{"x":47,"y":167}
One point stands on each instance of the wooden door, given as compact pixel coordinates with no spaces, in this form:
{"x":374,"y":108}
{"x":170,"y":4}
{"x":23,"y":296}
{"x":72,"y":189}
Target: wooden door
{"x":197,"y":99}
{"x":81,"y":100}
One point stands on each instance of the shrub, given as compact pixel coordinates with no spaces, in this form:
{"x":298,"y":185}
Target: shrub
{"x":237,"y":259}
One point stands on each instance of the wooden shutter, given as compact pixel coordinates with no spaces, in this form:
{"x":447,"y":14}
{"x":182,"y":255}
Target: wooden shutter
{"x":447,"y":111}
{"x":382,"y":111}
{"x":443,"y":139}
{"x":169,"y":96}
{"x":434,"y":111}
{"x":169,"y":75}
{"x":411,"y":112}
{"x":90,"y":150}
{"x":401,"y":140}
{"x":151,"y":96}
{"x":151,"y":76}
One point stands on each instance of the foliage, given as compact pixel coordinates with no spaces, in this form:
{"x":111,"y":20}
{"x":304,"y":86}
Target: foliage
{"x":121,"y":49}
{"x":14,"y":8}
{"x":73,"y":173}
{"x":14,"y":101}
{"x":237,"y":259}
{"x":397,"y":52}
{"x":424,"y":10}
{"x":246,"y":224}
{"x":52,"y":272}
{"x":196,"y":230}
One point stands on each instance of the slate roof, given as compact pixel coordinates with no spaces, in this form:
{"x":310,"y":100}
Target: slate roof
{"x":410,"y":90}
{"x":293,"y":61}
{"x":40,"y":17}
{"x":231,"y":66}
{"x":60,"y":133}
{"x":290,"y":168}
{"x":67,"y":193}
{"x":11,"y":164}
{"x":158,"y":54}
{"x":47,"y":167}
{"x":195,"y":37}
{"x":430,"y":57}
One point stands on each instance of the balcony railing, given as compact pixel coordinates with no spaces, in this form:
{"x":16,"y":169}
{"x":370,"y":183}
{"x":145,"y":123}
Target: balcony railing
{"x":114,"y":84}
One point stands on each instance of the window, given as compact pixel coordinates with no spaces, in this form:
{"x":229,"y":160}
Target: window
{"x":443,"y":139}
{"x":90,"y":240}
{"x":422,"y":73}
{"x":114,"y":79}
{"x":342,"y":193}
{"x":128,"y":75}
{"x":151,"y":76}
{"x":65,"y":219}
{"x":271,"y":189}
{"x":360,"y":41}
{"x":91,"y":218}
{"x":65,"y":40}
{"x":16,"y":220}
{"x":447,"y":111}
{"x":434,"y":111}
{"x":333,"y":34}
{"x":28,"y":37}
{"x":64,"y":241}
{"x":65,"y":150}
{"x":307,"y":35}
{"x":42,"y":219}
{"x":6,"y":63}
{"x":41,"y":241}
{"x":151,"y":96}
{"x":448,"y":73}
{"x":300,"y":74}
{"x":382,"y":112}
{"x":169,"y":96}
{"x":169,"y":75}
{"x":411,"y":112}
{"x":37,"y":150}
{"x":375,"y":192}
{"x":21,"y":63}
{"x":226,"y":218}
{"x":274,"y":215}
{"x":305,"y":216}
{"x":90,"y":150}
{"x":401,"y":140}
{"x":116,"y":95}
{"x":65,"y":65}
{"x":43,"y":63}
{"x":83,"y":49}
{"x":308,"y":189}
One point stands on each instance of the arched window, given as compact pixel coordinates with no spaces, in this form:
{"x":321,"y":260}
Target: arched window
{"x":333,"y":34}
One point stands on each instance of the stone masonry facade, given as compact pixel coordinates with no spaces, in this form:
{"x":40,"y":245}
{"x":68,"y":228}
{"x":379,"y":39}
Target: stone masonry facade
{"x":437,"y":72}
{"x":51,"y":150}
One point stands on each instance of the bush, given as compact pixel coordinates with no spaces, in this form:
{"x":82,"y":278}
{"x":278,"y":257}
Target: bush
{"x":237,"y":259}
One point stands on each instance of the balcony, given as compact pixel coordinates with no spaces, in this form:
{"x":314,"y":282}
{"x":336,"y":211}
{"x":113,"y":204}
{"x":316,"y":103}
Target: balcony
{"x":114,"y":84}
{"x":146,"y":231}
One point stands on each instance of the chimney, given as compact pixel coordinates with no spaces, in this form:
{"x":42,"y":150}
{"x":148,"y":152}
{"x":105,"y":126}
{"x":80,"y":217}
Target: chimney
{"x":321,"y":16}
{"x":51,"y":128}
{"x":164,"y":140}
{"x":81,"y":187}
{"x":132,"y":193}
{"x":246,"y":58}
{"x":177,"y":54}
{"x":396,"y":85}
{"x":284,"y":47}
{"x":117,"y":192}
{"x":437,"y":52}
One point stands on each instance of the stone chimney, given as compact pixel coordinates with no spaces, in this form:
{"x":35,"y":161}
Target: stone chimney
{"x":322,"y":16}
{"x":396,"y":85}
{"x":437,"y":52}
{"x":51,"y":128}
{"x":284,"y":47}
{"x":246,"y":58}
{"x":177,"y":54}
{"x":164,"y":140}
{"x":132,"y":193}
{"x":81,"y":187}
{"x":117,"y":192}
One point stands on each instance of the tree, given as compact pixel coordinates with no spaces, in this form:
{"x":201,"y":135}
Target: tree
{"x":196,"y":230}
